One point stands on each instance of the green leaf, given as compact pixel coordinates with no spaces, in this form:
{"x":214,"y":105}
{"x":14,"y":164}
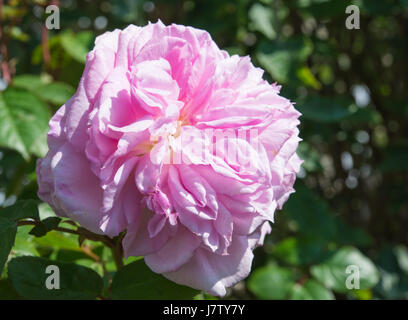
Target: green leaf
{"x":57,"y":240}
{"x":18,"y":34}
{"x":56,"y":50}
{"x":311,"y":290}
{"x":332,"y":272}
{"x":45,"y":226}
{"x":310,"y":157}
{"x":363,"y":294}
{"x":299,"y":251}
{"x":64,"y":255}
{"x":12,"y":12}
{"x":45,"y":211}
{"x":205,"y":296}
{"x":347,"y":235}
{"x":22,"y":209}
{"x":261,"y":20}
{"x":8,"y":231}
{"x":28,"y":276}
{"x":57,"y":92}
{"x":137,"y":281}
{"x":325,"y":109}
{"x":23,"y":122}
{"x":393,"y":276}
{"x":401,"y":253}
{"x":311,"y":214}
{"x":24,"y":244}
{"x":27,"y":81}
{"x":77,"y":45}
{"x":7,"y":291}
{"x":282,"y":59}
{"x":271,"y":282}
{"x":307,"y":77}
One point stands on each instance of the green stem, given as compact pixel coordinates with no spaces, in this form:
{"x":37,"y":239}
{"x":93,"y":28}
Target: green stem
{"x":117,"y":256}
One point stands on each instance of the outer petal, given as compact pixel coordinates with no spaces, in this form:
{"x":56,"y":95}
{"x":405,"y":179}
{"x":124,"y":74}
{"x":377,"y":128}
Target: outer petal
{"x":214,"y":273}
{"x":176,"y":252}
{"x":72,"y":189}
{"x":137,"y":241}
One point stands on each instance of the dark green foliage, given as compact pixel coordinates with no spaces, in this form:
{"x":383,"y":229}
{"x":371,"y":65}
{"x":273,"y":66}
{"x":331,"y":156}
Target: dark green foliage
{"x":137,"y":281}
{"x":45,"y":226}
{"x":8,"y":230}
{"x":28,"y":276}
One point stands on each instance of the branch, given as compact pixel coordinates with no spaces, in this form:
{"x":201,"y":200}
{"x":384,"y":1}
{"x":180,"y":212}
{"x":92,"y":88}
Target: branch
{"x":45,"y":47}
{"x":80,"y":231}
{"x":5,"y":67}
{"x":88,"y":251}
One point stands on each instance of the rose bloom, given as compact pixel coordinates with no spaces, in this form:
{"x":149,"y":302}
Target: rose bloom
{"x":110,"y":164}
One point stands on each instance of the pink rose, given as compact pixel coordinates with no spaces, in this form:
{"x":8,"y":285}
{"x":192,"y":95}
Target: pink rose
{"x":141,"y":147}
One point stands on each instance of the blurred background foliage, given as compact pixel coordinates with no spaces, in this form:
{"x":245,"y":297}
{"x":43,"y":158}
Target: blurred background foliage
{"x":351,"y":200}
